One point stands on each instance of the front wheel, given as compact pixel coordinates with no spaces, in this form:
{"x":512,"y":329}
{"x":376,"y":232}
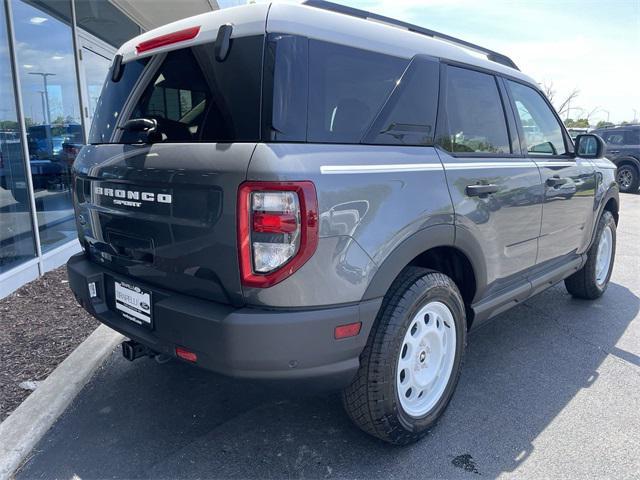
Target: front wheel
{"x":411,"y":364}
{"x":591,"y":281}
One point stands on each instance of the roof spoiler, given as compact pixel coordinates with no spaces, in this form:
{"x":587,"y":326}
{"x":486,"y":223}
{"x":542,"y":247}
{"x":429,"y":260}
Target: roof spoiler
{"x":354,"y":12}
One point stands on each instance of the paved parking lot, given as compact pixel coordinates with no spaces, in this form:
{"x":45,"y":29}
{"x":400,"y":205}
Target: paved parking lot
{"x":550,"y":388}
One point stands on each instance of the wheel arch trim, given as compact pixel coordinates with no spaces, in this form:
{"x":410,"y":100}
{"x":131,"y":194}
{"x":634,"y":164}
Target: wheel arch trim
{"x":435,"y":236}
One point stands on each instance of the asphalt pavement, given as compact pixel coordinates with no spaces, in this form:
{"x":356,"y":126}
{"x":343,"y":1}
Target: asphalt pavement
{"x":549,"y":389}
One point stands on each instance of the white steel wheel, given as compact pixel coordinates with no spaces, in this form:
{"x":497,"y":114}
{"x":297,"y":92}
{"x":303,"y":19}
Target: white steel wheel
{"x":426,"y":359}
{"x":604,"y":255}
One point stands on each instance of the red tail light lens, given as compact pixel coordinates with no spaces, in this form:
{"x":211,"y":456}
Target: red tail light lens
{"x":168,"y":39}
{"x":277,"y":230}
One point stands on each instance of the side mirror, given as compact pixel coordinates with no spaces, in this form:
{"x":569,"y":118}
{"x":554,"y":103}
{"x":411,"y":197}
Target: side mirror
{"x":590,"y":145}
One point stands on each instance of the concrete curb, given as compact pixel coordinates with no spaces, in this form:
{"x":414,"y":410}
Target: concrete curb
{"x":24,"y":428}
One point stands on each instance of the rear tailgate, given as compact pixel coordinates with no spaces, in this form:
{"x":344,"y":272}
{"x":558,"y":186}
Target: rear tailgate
{"x":159,"y":205}
{"x":164,"y":214}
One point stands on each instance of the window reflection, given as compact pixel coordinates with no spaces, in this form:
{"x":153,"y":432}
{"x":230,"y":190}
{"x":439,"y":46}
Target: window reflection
{"x":44,"y":51}
{"x":105,"y":21}
{"x":16,"y":235}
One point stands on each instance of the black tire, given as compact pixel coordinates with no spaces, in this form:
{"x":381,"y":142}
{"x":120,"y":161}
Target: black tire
{"x":371,"y":401}
{"x":628,"y":178}
{"x":584,"y":284}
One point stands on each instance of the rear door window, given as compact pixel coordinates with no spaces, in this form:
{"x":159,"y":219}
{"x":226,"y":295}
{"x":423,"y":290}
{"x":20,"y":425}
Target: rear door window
{"x":192,"y":96}
{"x":616,"y":137}
{"x":475,"y":119}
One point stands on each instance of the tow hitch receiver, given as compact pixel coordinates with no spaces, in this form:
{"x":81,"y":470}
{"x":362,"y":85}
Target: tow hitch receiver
{"x":132,"y":350}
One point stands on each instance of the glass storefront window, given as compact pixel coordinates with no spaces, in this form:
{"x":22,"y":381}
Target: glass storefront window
{"x":16,"y":235}
{"x":45,"y":56}
{"x":105,"y":21}
{"x":96,"y":67}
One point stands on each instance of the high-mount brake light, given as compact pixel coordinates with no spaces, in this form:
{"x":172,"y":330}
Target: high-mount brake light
{"x":277,"y":230}
{"x":168,"y":39}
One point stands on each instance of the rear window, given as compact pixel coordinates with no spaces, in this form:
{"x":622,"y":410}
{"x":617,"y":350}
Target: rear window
{"x":324,"y":92}
{"x":192,"y":96}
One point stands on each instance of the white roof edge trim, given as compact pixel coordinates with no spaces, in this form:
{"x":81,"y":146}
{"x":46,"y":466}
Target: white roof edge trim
{"x":329,"y":26}
{"x":247,"y":20}
{"x":325,"y":25}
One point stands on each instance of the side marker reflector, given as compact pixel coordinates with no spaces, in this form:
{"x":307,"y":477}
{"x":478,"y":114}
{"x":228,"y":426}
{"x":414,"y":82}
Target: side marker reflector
{"x":346,"y":331}
{"x":187,"y":355}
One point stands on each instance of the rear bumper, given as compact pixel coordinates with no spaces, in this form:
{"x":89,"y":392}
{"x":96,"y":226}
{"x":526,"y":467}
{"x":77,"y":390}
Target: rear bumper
{"x":246,"y":342}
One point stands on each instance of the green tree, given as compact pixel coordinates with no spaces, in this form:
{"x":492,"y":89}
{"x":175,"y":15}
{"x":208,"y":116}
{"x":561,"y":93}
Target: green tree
{"x":579,"y":123}
{"x":604,"y":124}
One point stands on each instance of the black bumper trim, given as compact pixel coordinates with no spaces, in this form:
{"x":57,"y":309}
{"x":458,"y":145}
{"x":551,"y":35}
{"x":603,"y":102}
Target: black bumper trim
{"x":239,"y":342}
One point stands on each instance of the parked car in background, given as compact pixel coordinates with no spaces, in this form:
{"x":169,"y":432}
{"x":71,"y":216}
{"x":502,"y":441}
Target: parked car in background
{"x":623,"y":149}
{"x":52,"y":150}
{"x":575,"y":131}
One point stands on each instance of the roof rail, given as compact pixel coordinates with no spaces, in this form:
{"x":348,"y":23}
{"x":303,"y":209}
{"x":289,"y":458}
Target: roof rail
{"x":354,"y":12}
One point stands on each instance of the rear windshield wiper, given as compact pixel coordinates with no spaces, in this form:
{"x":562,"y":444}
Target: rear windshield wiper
{"x":145,"y":126}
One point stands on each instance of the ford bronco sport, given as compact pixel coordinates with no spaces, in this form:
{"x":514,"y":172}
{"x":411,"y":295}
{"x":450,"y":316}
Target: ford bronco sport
{"x":312,"y":192}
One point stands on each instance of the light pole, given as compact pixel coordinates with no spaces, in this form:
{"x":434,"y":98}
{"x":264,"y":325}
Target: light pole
{"x":635,"y":115}
{"x":44,"y":105}
{"x":44,"y":76}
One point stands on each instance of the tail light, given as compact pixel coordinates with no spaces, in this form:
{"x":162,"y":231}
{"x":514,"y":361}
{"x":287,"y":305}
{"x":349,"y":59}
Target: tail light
{"x":277,"y":230}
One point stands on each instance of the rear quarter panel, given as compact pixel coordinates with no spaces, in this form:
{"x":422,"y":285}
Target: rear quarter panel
{"x":367,"y":208}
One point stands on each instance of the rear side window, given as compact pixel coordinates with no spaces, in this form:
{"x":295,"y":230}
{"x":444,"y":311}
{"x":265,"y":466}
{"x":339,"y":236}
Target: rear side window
{"x":192,"y":96}
{"x":409,"y":116}
{"x":475,"y":119}
{"x":542,"y":131}
{"x":347,"y":89}
{"x":323,"y":92}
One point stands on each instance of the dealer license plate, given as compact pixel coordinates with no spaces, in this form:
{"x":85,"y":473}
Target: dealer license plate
{"x":133,"y":303}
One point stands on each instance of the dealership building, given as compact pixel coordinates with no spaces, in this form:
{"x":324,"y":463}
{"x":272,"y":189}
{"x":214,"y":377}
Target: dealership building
{"x":54,"y":57}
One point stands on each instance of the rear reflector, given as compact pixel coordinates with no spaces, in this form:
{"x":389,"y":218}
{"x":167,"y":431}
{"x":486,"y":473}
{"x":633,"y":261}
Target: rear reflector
{"x":264,"y":222}
{"x":187,"y":355}
{"x":346,"y":331}
{"x":168,"y":39}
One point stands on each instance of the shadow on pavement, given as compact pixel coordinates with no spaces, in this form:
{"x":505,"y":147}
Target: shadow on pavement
{"x":145,"y":420}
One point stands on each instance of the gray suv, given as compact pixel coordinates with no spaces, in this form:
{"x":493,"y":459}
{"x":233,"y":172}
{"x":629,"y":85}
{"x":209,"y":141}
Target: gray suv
{"x":315,"y":194}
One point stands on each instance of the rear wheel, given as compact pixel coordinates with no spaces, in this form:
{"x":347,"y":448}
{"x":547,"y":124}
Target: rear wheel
{"x":628,"y":178}
{"x":591,"y":281}
{"x":411,"y":364}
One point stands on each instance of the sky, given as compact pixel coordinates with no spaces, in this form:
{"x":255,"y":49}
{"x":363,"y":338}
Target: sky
{"x":590,"y":45}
